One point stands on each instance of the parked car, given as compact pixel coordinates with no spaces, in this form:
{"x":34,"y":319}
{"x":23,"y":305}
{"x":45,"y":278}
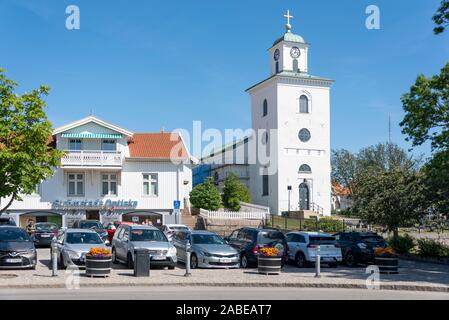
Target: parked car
{"x":303,"y":248}
{"x":208,"y":250}
{"x":127,"y":238}
{"x":170,"y":229}
{"x":72,"y":245}
{"x":94,"y":225}
{"x":16,"y":248}
{"x":111,"y":227}
{"x":358,"y":247}
{"x":7,"y":221}
{"x":248,"y":242}
{"x":44,"y":232}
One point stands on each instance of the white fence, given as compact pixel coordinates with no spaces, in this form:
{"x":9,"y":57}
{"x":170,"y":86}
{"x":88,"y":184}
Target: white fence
{"x":225,"y":215}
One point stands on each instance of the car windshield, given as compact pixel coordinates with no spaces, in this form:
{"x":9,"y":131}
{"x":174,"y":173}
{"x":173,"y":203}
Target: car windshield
{"x":13,"y":235}
{"x":83,"y":238}
{"x":147,"y":235}
{"x":270,"y":238}
{"x":90,"y":225}
{"x":372,"y":239}
{"x":49,"y":227}
{"x":322,"y":240}
{"x":207,"y":239}
{"x":179,"y":228}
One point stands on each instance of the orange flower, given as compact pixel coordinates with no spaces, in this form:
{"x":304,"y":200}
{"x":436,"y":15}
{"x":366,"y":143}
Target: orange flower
{"x":384,"y":251}
{"x":269,"y":252}
{"x":99,"y":252}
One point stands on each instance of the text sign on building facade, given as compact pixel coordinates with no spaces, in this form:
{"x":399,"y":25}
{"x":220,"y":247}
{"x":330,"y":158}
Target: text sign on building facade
{"x":94,"y":204}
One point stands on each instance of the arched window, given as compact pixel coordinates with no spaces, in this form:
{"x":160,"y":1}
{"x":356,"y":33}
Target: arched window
{"x":277,"y":66}
{"x":305,"y":168}
{"x":265,"y":108}
{"x":295,"y":65}
{"x":304,"y":196}
{"x":303,"y":104}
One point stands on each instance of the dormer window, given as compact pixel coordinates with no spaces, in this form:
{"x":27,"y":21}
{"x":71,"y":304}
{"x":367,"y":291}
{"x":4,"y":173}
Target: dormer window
{"x":108,"y":145}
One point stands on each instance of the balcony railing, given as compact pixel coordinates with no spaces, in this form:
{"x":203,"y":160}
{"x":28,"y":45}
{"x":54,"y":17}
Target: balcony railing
{"x":92,"y":158}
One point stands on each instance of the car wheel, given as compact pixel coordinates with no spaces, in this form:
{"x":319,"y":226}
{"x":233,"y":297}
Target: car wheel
{"x":350,"y":260}
{"x":193,"y":261}
{"x":300,"y":260}
{"x":114,"y":256}
{"x":244,"y":261}
{"x":129,"y":261}
{"x":171,"y":267}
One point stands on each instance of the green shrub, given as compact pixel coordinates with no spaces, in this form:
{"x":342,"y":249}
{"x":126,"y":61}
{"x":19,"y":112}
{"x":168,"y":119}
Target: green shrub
{"x":402,"y":244}
{"x":205,"y":196}
{"x":235,"y":192}
{"x":330,"y":225}
{"x":432,"y":248}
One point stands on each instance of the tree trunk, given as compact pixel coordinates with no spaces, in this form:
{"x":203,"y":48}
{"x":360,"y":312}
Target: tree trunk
{"x":395,"y":232}
{"x":13,"y":197}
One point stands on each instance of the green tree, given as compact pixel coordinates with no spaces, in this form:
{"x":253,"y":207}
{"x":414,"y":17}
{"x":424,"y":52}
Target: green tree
{"x":235,"y":192}
{"x":436,"y":172}
{"x":392,"y":199}
{"x":25,"y":157}
{"x":345,"y":168}
{"x":206,"y":196}
{"x":441,"y":17}
{"x":427,"y":111}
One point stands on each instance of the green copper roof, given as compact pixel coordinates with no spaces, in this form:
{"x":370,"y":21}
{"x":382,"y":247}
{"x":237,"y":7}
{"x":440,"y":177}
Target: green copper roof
{"x":291,"y":37}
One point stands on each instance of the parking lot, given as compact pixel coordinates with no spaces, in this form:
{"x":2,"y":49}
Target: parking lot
{"x":411,"y":275}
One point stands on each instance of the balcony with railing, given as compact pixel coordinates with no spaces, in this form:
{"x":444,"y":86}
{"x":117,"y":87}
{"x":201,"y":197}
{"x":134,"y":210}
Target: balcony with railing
{"x":85,"y":158}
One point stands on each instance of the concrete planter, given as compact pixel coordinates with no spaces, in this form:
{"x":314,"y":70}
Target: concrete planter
{"x":269,"y":265}
{"x":387,"y":264}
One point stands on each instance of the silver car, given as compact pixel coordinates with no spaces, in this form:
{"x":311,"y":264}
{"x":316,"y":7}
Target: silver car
{"x":128,"y":238}
{"x":72,"y":245}
{"x":208,"y":250}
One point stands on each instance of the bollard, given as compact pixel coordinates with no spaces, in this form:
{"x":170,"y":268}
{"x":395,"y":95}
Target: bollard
{"x":188,"y":249}
{"x":318,"y":262}
{"x":54,"y":260}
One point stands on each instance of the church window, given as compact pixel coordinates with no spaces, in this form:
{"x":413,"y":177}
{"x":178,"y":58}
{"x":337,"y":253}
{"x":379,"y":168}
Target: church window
{"x":265,"y":108}
{"x":295,"y":65}
{"x":265,"y":185}
{"x":304,"y":135}
{"x":305,"y":168}
{"x":277,"y":66}
{"x":303,"y":104}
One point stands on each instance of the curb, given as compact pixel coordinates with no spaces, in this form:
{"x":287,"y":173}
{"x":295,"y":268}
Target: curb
{"x":396,"y":287}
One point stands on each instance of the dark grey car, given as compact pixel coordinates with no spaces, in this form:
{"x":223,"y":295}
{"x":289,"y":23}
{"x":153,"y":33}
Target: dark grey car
{"x":17,"y":250}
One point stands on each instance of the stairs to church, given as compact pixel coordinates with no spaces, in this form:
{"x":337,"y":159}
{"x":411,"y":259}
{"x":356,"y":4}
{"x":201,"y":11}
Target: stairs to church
{"x":189,"y":221}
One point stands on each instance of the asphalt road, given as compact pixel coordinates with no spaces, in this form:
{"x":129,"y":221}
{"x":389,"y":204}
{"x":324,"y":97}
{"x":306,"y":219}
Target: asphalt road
{"x":214,"y":293}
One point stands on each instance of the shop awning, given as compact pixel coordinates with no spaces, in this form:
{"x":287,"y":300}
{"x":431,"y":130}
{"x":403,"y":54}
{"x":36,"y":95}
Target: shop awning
{"x":92,"y":135}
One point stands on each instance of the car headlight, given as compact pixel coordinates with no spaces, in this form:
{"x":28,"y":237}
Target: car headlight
{"x":206,"y":254}
{"x":72,"y":254}
{"x":172,"y":251}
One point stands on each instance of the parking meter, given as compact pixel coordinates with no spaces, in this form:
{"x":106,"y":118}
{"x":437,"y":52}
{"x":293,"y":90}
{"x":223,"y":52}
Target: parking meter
{"x":188,"y":253}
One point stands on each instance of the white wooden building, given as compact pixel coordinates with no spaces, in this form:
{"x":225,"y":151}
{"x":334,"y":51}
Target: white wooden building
{"x":110,"y":174}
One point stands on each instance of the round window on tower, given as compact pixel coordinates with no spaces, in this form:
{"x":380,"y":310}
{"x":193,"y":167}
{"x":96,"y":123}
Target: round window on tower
{"x":304,"y":135}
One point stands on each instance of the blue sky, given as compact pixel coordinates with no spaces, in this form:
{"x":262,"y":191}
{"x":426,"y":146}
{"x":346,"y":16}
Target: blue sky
{"x":147,"y":64}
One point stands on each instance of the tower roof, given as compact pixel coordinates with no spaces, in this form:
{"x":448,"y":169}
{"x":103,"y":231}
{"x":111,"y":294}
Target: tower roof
{"x":291,"y":37}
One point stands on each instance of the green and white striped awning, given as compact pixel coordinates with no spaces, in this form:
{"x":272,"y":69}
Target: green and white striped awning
{"x":92,"y":135}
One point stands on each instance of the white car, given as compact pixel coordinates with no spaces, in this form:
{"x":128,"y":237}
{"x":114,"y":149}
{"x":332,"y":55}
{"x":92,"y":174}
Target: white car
{"x":170,"y":229}
{"x":303,"y":247}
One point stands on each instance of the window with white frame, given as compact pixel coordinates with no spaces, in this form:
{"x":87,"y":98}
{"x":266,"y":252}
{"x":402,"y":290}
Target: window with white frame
{"x":109,"y":184}
{"x":150,"y":184}
{"x":75,"y":184}
{"x":108,"y":145}
{"x":304,"y":104}
{"x":75,"y":144}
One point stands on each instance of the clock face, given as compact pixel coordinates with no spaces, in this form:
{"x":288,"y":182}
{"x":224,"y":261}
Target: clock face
{"x":295,"y":52}
{"x":277,"y":53}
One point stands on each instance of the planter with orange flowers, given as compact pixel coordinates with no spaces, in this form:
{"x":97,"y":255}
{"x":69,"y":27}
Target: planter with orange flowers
{"x":269,"y":261}
{"x":98,"y":262}
{"x":387,"y":260}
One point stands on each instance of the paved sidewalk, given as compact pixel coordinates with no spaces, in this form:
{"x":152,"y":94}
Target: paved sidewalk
{"x":412,"y":276}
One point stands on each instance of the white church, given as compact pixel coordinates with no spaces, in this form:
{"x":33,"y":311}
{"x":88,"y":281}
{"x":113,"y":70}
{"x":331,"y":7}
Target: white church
{"x":290,"y":113}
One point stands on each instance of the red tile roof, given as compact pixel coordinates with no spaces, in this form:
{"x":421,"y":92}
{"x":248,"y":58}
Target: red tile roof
{"x":161,"y":145}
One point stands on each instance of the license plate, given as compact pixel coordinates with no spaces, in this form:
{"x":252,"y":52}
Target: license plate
{"x":225,"y":260}
{"x":45,"y":236}
{"x":17,"y":260}
{"x":158,"y":258}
